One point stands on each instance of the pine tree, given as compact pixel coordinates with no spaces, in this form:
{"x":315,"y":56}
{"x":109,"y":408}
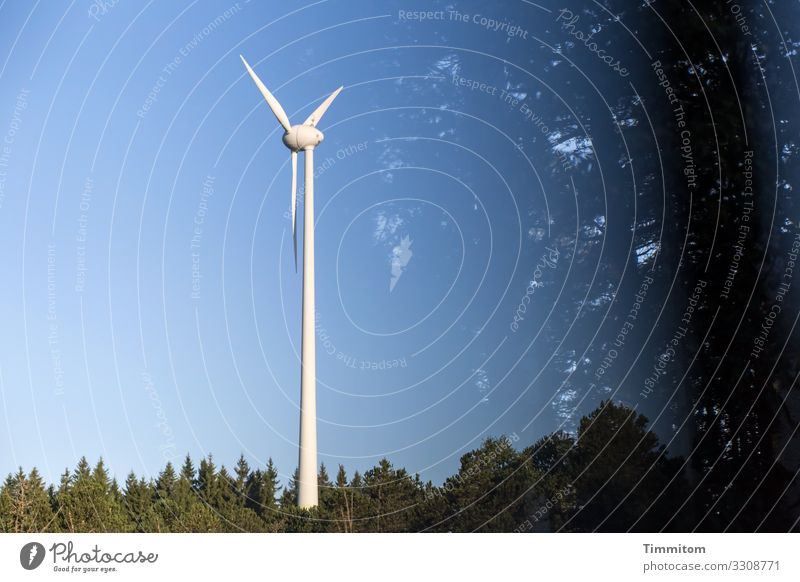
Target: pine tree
{"x":393,"y":498}
{"x":141,"y":506}
{"x":271,"y":484}
{"x":24,"y":504}
{"x":108,"y":501}
{"x":488,"y":492}
{"x":343,"y":502}
{"x":289,"y":493}
{"x":228,"y":498}
{"x":42,"y":518}
{"x":201,"y":518}
{"x":185,"y":489}
{"x":88,"y":501}
{"x":262,"y":487}
{"x":166,"y":483}
{"x":552,"y":499}
{"x":327,"y":500}
{"x":207,"y":483}
{"x":225,"y":502}
{"x":620,"y":471}
{"x":188,"y":471}
{"x":242,"y":477}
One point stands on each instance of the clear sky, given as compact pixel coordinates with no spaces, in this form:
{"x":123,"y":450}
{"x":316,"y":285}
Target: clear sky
{"x":150,"y":306}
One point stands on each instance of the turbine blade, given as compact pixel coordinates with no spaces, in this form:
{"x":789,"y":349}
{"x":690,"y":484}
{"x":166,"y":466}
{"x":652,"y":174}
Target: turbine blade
{"x":294,"y":206}
{"x":280,"y":114}
{"x":314,"y":118}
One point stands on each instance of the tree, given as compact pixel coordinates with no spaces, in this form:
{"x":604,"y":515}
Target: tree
{"x":166,"y":482}
{"x":289,"y":493}
{"x":242,"y":478}
{"x":343,"y":503}
{"x":207,"y":485}
{"x":327,"y":496}
{"x":185,"y":489}
{"x":88,"y":501}
{"x":188,"y":473}
{"x":261,"y":488}
{"x":391,"y":499}
{"x":226,"y":504}
{"x":489,"y":491}
{"x":24,"y":504}
{"x":142,"y":512}
{"x":201,"y":518}
{"x":619,"y":471}
{"x":554,"y":492}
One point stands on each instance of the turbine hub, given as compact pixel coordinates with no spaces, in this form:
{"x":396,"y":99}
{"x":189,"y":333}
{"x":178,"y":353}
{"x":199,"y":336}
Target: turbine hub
{"x":301,"y":137}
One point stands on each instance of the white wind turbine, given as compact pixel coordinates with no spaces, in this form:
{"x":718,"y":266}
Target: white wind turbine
{"x":304,"y":137}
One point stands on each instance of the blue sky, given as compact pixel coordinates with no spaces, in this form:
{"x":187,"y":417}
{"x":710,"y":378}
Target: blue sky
{"x":133,"y":128}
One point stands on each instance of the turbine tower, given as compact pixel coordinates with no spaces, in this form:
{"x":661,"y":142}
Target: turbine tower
{"x":304,"y":137}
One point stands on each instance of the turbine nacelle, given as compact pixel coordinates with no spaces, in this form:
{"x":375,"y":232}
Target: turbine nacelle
{"x":297,"y":138}
{"x":302,"y":137}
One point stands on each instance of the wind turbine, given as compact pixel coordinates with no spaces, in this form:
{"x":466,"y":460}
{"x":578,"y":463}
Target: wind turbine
{"x":304,"y":137}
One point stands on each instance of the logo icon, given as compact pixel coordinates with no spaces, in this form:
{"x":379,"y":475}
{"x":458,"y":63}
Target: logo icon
{"x":31,"y":555}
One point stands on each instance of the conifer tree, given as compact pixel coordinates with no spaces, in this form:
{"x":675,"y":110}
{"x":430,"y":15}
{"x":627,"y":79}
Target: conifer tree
{"x":343,"y":501}
{"x":185,"y":488}
{"x":620,"y":470}
{"x":393,"y":498}
{"x":242,"y":478}
{"x":87,"y":501}
{"x":262,"y":487}
{"x":188,"y":472}
{"x":289,"y":493}
{"x":166,"y":482}
{"x":141,"y":506}
{"x":24,"y":504}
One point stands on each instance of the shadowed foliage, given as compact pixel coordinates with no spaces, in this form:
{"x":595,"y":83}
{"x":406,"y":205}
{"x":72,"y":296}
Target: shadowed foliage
{"x":612,"y":475}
